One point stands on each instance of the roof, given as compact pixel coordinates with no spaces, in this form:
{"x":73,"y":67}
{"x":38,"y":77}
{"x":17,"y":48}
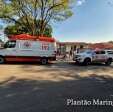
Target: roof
{"x":72,"y":43}
{"x":29,"y":37}
{"x":106,"y":45}
{"x":101,"y":46}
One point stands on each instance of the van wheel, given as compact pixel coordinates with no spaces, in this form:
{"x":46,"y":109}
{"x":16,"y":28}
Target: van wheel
{"x":44,"y":61}
{"x":87,"y":61}
{"x":109,"y":61}
{"x":2,"y":60}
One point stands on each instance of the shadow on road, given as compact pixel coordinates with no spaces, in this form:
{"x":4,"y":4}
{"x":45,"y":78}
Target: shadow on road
{"x":22,"y":95}
{"x":69,"y":67}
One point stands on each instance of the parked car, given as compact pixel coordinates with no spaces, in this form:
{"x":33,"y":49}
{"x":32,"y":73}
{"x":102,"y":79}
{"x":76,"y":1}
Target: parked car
{"x":91,"y":56}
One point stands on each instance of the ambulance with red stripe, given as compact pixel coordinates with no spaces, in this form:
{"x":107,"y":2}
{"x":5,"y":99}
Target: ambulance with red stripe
{"x":26,"y":48}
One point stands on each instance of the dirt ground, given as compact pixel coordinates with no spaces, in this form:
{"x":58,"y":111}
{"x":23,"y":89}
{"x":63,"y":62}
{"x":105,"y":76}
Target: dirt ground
{"x":38,"y":88}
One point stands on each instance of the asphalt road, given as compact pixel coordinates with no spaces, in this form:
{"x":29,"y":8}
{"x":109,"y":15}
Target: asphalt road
{"x":37,"y":88}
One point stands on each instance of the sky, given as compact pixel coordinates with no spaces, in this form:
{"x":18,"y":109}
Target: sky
{"x":92,"y":22}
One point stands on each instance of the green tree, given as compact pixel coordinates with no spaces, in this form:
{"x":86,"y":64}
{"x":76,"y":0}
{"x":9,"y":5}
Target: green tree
{"x":110,"y":42}
{"x":20,"y":29}
{"x":46,"y":11}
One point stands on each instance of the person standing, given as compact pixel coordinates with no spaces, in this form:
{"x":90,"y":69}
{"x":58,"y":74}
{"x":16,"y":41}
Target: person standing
{"x":70,"y":54}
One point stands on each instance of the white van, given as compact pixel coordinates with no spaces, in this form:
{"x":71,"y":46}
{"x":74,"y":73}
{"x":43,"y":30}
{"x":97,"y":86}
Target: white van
{"x":24,"y":50}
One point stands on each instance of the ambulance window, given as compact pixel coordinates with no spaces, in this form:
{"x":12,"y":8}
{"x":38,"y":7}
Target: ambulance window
{"x":10,"y":44}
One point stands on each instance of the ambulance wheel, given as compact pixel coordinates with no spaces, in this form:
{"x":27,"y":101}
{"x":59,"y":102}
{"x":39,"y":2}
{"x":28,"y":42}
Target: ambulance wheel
{"x":109,"y":61}
{"x":2,"y":60}
{"x":44,"y":61}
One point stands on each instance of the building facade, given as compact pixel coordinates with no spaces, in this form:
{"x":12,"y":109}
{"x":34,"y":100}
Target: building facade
{"x":66,"y":47}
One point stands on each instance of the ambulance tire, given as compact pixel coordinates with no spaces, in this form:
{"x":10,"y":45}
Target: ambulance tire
{"x":87,"y":62}
{"x":44,"y":61}
{"x":2,"y":60}
{"x":109,"y":61}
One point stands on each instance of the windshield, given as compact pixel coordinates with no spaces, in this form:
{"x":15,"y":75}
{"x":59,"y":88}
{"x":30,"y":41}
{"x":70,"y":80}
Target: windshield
{"x":85,"y":51}
{"x":10,"y":44}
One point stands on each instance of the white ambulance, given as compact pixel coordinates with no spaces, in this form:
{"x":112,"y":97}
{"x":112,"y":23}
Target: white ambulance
{"x":25,"y":48}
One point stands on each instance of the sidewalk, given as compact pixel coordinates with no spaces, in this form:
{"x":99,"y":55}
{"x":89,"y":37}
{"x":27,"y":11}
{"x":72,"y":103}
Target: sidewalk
{"x":61,"y":58}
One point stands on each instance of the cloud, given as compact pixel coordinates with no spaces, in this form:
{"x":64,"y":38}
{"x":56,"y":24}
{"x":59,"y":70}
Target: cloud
{"x":80,"y":2}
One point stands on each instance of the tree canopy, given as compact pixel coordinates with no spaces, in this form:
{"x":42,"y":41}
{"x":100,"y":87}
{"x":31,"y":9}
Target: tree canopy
{"x":29,"y":11}
{"x":20,"y":29}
